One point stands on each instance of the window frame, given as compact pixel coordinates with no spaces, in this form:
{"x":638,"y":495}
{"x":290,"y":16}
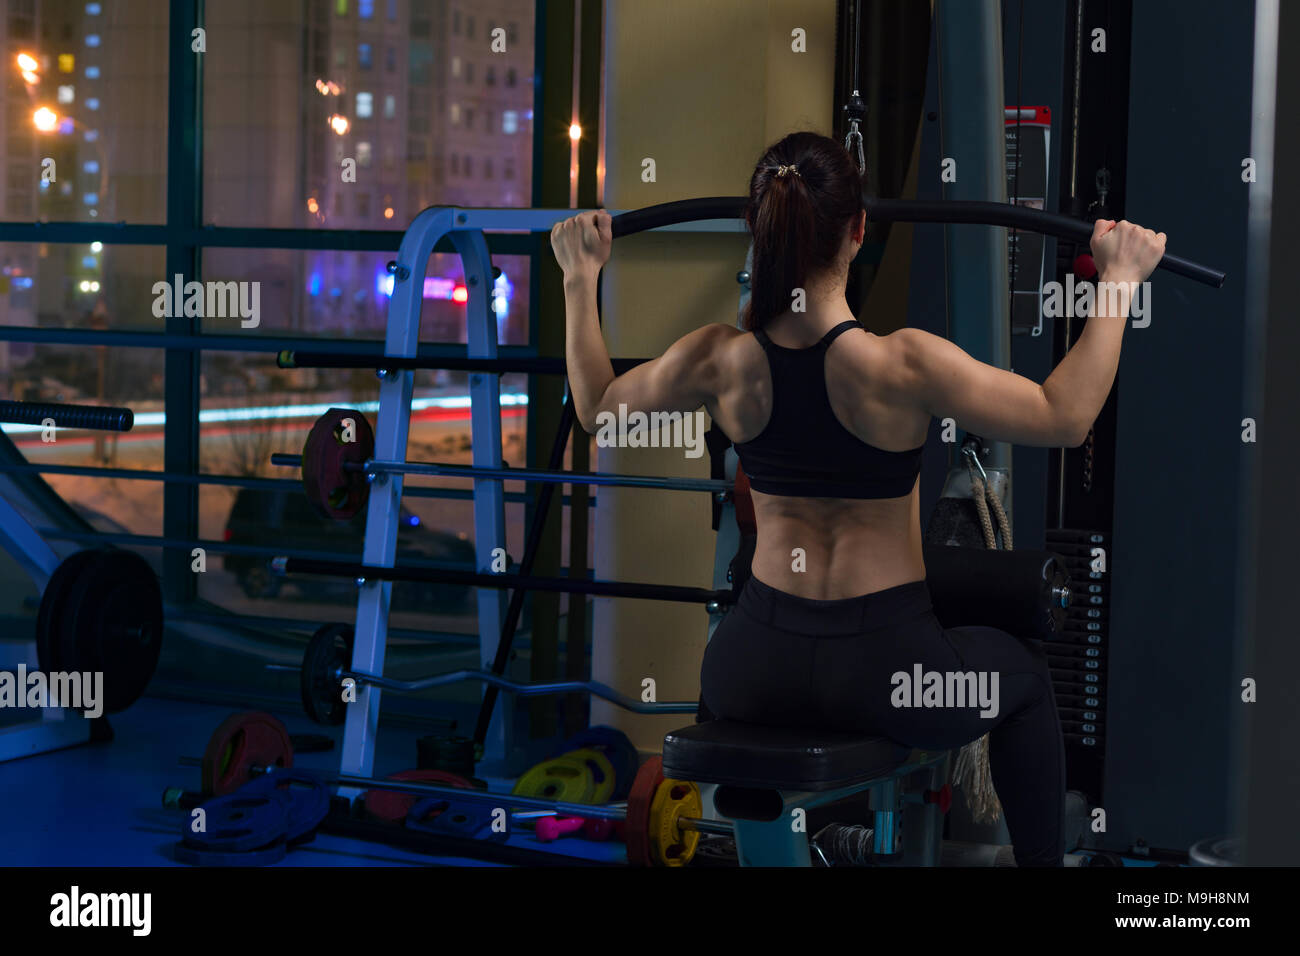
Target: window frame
{"x":184,"y":237}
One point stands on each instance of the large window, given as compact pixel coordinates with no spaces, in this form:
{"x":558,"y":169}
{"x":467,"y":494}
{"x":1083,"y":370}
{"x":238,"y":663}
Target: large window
{"x":284,"y":122}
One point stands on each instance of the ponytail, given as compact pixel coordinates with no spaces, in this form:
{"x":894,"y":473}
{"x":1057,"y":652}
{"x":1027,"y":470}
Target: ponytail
{"x":802,"y":196}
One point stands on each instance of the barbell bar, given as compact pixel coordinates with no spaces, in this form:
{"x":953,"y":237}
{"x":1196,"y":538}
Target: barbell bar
{"x":337,"y":675}
{"x":373,"y":467}
{"x":509,"y":801}
{"x":528,"y":365}
{"x":711,"y":599}
{"x":106,"y":418}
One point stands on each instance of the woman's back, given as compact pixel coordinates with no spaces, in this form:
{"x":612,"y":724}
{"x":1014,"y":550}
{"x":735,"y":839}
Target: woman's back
{"x":834,"y":544}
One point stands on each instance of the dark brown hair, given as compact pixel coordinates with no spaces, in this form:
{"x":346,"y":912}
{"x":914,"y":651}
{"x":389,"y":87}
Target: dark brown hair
{"x":797,"y":220}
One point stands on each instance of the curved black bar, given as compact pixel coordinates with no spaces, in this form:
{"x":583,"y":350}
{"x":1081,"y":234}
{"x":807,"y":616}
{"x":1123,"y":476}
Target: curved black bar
{"x":1019,"y":217}
{"x":102,"y":418}
{"x":733,"y":207}
{"x":670,"y":213}
{"x":908,"y":210}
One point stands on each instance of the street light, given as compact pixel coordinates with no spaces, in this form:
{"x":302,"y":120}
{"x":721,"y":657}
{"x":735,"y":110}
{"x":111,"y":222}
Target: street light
{"x":27,"y":63}
{"x":45,"y":119}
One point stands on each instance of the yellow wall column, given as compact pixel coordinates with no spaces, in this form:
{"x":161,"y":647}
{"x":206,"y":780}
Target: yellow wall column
{"x":701,"y":87}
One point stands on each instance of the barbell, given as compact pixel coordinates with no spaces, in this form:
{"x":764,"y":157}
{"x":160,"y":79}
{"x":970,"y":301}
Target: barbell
{"x":662,"y":817}
{"x":91,"y":417}
{"x":338,"y":468}
{"x":325,"y":667}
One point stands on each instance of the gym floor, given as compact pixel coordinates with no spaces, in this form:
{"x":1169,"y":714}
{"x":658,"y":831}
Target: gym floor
{"x":101,"y":805}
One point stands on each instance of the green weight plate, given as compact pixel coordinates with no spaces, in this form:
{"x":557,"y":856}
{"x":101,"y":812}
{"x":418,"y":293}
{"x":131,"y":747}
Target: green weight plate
{"x":53,"y":600}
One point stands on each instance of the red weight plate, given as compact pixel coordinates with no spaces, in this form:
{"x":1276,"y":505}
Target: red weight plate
{"x":242,"y":742}
{"x":636,"y":833}
{"x":392,"y":806}
{"x":334,"y":490}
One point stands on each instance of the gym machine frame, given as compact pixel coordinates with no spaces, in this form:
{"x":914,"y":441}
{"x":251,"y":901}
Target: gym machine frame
{"x":465,"y":228}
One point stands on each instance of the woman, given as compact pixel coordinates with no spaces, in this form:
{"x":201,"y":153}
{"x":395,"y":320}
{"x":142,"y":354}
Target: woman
{"x":829,"y":422}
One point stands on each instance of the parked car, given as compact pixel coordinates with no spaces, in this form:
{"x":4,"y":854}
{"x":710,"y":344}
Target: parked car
{"x":286,"y":520}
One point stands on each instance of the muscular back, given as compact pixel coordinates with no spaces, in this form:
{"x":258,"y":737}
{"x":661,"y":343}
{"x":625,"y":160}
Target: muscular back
{"x":828,"y":548}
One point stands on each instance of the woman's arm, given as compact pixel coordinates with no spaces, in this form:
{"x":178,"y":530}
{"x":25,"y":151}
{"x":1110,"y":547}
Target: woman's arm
{"x":682,"y":379}
{"x":1000,"y":405}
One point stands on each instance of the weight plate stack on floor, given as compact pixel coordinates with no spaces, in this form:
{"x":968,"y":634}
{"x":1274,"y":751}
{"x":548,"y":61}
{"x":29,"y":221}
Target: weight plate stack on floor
{"x":309,"y":800}
{"x":617,"y":748}
{"x":241,"y":743}
{"x":562,"y":779}
{"x":466,"y":821}
{"x":240,"y":829}
{"x":602,"y":773}
{"x":449,"y":753}
{"x":391,"y":806}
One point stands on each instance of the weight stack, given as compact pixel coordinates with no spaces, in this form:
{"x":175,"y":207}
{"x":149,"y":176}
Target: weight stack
{"x":1077,"y":656}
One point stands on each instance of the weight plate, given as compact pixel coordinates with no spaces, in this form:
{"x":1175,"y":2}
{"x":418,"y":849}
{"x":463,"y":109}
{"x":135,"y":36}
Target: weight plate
{"x":669,"y":844}
{"x":602,"y":773}
{"x":392,"y":806}
{"x":53,"y":600}
{"x":199,"y":857}
{"x":445,"y":752}
{"x":242,"y":742}
{"x":448,"y":818}
{"x":112,"y":622}
{"x":309,"y":799}
{"x":563,"y":779}
{"x":334,"y":490}
{"x":239,"y":822}
{"x":637,"y":828}
{"x":616,"y":746}
{"x":328,"y":652}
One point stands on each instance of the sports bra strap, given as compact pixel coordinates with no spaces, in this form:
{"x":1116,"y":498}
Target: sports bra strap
{"x":823,"y":343}
{"x":835,"y":333}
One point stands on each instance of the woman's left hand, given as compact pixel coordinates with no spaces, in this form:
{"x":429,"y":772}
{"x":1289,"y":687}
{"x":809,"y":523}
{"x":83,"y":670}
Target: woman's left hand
{"x":582,"y":244}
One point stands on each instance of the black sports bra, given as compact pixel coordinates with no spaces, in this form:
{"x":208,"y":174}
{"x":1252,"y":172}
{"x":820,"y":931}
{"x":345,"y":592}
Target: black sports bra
{"x":804,"y":451}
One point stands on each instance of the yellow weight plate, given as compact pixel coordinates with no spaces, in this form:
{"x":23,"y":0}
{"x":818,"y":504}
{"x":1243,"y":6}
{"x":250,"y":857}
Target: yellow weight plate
{"x":670,"y":845}
{"x":562,"y":779}
{"x":602,"y":772}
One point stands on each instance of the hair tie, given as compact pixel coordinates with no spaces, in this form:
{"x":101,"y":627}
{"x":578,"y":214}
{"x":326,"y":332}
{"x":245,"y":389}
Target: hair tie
{"x":782,"y":170}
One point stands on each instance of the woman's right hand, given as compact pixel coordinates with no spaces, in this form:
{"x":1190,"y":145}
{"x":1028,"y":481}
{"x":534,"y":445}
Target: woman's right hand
{"x":1124,"y":251}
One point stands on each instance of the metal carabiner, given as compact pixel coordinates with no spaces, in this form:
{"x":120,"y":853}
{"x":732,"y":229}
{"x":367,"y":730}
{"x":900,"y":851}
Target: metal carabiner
{"x":968,"y":449}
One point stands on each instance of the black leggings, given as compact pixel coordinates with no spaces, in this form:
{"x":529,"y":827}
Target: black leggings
{"x":787,"y":661}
